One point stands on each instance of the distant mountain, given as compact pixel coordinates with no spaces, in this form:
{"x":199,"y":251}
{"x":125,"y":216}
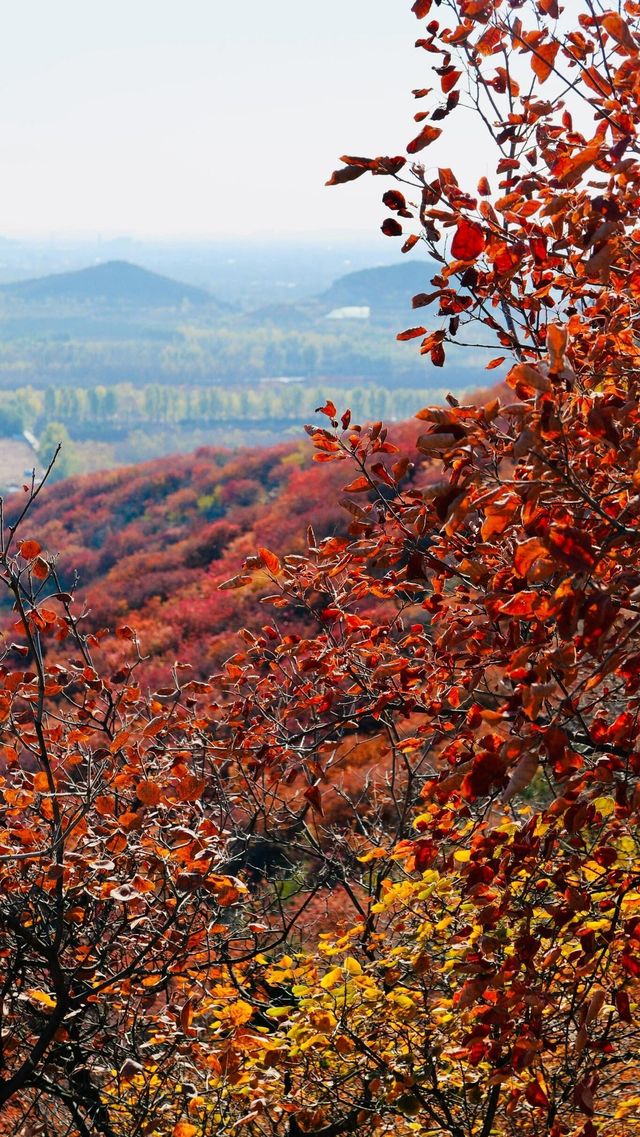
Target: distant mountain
{"x":388,"y":288}
{"x":111,"y":283}
{"x":380,"y":295}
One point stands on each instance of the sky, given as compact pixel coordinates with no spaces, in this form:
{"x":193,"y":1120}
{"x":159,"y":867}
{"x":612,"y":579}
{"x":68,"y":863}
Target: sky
{"x":194,"y":118}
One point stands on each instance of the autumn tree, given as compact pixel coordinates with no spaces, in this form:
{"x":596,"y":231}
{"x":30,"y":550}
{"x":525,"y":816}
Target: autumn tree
{"x":125,"y":829}
{"x":485,"y":620}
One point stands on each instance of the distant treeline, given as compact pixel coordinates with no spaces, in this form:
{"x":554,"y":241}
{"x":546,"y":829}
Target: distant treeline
{"x":201,"y":355}
{"x":101,"y":411}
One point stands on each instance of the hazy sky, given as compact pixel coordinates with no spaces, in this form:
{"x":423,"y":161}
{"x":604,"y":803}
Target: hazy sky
{"x":195,"y":117}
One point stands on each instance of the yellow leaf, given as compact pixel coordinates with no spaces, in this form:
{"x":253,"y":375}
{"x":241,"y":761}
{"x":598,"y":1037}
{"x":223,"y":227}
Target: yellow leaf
{"x":43,"y":998}
{"x":352,"y":966}
{"x":332,"y":978}
{"x":373,"y":855}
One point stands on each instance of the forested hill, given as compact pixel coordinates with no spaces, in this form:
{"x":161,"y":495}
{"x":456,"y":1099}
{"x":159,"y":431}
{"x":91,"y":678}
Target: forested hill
{"x":382,"y":289}
{"x":113,"y":283}
{"x":151,"y":543}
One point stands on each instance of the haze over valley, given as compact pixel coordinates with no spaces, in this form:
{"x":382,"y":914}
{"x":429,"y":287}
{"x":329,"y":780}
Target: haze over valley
{"x":201,"y":345}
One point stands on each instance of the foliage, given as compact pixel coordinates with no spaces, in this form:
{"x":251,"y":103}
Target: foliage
{"x":92,"y":411}
{"x":381,"y":875}
{"x":54,"y":436}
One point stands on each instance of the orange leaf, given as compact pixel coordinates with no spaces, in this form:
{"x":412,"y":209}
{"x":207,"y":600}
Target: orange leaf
{"x":105,"y":804}
{"x":148,"y":792}
{"x":409,"y":243}
{"x":523,"y":376}
{"x":527,"y":554}
{"x":185,"y":1129}
{"x":543,"y":59}
{"x":495,"y":362}
{"x":269,"y":560}
{"x":616,"y":27}
{"x":190,"y":788}
{"x":358,"y":485}
{"x":522,"y":604}
{"x":411,"y":334}
{"x":498,"y":516}
{"x":556,"y":346}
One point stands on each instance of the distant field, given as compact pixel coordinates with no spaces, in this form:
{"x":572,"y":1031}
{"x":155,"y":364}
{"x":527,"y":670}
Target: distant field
{"x":17,"y":459}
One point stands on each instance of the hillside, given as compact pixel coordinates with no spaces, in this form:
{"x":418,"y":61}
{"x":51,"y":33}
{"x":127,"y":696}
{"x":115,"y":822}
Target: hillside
{"x":151,"y":543}
{"x":111,"y":283}
{"x":386,"y":289}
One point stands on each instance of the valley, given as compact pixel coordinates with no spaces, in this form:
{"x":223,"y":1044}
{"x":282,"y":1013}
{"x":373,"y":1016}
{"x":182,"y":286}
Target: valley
{"x":121,"y":363}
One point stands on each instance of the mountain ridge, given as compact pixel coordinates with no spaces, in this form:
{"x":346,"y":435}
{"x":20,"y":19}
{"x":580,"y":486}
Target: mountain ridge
{"x":117,"y":282}
{"x":382,"y":287}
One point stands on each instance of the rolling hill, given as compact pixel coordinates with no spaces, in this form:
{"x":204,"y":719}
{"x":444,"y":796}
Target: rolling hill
{"x":151,"y":543}
{"x":386,"y":289}
{"x":113,"y":283}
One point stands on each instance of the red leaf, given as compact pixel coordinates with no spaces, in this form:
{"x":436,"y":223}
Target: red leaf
{"x":391,"y":228}
{"x":29,"y":549}
{"x":40,"y":569}
{"x":422,"y":8}
{"x":449,"y":81}
{"x":623,"y":1006}
{"x":381,"y":472}
{"x":421,"y":299}
{"x":427,"y":135}
{"x":393,"y":199}
{"x":495,"y":362}
{"x":522,"y":604}
{"x":312,"y":794}
{"x":328,"y":409}
{"x":535,"y":1095}
{"x":437,"y":355}
{"x":583,"y":1098}
{"x":411,"y":333}
{"x":469,"y":240}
